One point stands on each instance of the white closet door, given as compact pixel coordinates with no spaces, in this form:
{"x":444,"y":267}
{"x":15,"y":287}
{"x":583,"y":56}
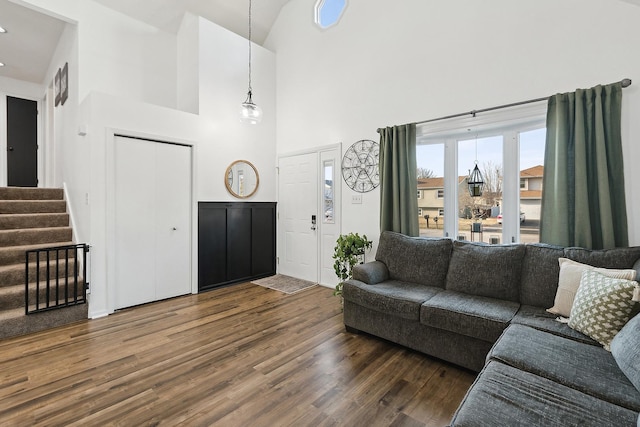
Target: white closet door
{"x":173,"y":219}
{"x":152,"y":197}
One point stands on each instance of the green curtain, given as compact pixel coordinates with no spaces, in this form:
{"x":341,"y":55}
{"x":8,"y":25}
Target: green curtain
{"x":398,"y":181}
{"x":583,"y":199}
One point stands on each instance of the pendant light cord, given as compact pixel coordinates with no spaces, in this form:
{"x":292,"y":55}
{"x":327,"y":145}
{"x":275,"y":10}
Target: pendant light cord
{"x":249,"y":49}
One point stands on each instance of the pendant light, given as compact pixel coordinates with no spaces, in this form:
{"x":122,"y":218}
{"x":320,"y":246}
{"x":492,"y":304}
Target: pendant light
{"x":475,"y":181}
{"x":250,"y":113}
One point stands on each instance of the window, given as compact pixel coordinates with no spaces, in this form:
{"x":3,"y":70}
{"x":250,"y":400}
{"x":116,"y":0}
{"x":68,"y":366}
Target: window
{"x":328,"y":192}
{"x":430,"y":159}
{"x":328,"y":12}
{"x":507,"y":145}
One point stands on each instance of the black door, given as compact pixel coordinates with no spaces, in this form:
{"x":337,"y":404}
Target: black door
{"x":22,"y":142}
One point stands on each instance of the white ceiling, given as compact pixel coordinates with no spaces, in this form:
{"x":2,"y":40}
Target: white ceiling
{"x":29,"y":43}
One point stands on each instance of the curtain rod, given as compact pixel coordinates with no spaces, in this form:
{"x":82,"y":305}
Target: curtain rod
{"x":624,"y":82}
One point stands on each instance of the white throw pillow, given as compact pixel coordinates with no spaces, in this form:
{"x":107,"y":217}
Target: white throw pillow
{"x":569,"y":282}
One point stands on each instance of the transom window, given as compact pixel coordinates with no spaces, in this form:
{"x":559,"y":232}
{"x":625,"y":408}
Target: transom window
{"x":329,"y":12}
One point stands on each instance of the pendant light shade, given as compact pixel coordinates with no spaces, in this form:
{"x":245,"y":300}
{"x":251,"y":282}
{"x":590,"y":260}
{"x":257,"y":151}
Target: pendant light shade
{"x":250,"y":112}
{"x":476,"y":183}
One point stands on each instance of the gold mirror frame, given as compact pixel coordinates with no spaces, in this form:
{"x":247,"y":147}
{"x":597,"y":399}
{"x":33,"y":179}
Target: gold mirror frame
{"x":234,"y":179}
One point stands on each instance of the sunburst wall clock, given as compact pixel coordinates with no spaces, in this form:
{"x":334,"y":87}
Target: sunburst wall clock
{"x":360,"y":166}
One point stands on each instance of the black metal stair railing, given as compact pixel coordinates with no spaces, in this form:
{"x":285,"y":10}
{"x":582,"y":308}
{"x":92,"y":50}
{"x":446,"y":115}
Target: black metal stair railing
{"x":59,"y":280}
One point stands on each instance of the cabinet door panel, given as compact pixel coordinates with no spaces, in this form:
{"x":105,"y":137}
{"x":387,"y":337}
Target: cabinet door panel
{"x":263,"y":243}
{"x":238,"y":243}
{"x":212,"y":245}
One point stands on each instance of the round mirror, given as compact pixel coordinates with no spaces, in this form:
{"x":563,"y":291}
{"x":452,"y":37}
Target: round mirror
{"x":241,"y":179}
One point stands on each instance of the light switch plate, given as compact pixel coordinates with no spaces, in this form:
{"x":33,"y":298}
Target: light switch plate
{"x":356,"y":199}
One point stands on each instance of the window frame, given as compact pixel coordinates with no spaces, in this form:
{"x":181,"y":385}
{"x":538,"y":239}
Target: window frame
{"x":317,"y":18}
{"x":508,"y":122}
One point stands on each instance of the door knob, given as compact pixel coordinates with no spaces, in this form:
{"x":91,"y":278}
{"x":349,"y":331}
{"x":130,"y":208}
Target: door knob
{"x":10,"y":148}
{"x":174,"y":228}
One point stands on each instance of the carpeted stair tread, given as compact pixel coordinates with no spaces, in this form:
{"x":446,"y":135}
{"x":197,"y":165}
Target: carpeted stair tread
{"x":15,"y":254}
{"x":14,"y":274}
{"x":13,"y":296}
{"x":31,"y":193}
{"x":15,"y":322}
{"x":33,"y":220}
{"x":34,"y":236}
{"x":32,"y":206}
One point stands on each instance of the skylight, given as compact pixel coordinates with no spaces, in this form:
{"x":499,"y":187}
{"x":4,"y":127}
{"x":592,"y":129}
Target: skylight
{"x":329,"y":12}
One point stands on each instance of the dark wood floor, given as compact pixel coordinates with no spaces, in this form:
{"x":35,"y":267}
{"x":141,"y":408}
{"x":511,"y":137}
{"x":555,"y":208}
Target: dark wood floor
{"x":239,"y":356}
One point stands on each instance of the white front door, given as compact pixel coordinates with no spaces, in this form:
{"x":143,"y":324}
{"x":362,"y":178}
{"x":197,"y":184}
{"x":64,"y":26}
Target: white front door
{"x":297,"y":209}
{"x":309,"y":189}
{"x":152,"y":221}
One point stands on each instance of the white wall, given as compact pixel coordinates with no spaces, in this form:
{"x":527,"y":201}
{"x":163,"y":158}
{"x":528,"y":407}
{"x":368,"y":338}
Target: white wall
{"x":389,"y":64}
{"x":188,"y":56}
{"x":118,"y":54}
{"x":223,"y":77}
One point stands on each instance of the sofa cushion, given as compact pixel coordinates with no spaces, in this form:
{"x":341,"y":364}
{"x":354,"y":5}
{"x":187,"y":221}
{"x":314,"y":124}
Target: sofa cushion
{"x":474,"y":316}
{"x":583,"y":367}
{"x":540,"y":271}
{"x":415,"y":259}
{"x":486,"y":270}
{"x":538,"y":318}
{"x":605,"y":258}
{"x":505,"y":396}
{"x":625,"y":349}
{"x":602,"y":306}
{"x":569,"y":282}
{"x":393,"y":297}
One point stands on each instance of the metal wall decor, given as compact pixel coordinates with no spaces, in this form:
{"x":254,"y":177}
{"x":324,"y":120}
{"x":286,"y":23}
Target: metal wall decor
{"x":360,"y":166}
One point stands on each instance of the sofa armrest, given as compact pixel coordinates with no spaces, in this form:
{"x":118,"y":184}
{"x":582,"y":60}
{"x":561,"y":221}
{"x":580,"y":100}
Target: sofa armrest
{"x":371,"y":273}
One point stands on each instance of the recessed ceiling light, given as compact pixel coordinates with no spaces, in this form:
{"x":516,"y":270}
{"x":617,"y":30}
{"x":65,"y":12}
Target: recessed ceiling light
{"x":2,"y":30}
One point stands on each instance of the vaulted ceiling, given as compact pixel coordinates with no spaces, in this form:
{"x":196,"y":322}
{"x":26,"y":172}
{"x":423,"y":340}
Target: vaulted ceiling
{"x":31,"y":37}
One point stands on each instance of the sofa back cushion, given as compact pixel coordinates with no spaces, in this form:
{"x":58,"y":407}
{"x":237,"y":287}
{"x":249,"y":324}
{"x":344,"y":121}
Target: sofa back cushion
{"x":540,"y":272}
{"x":414,"y":259}
{"x":486,"y":270}
{"x":619,"y":258}
{"x":625,"y":348}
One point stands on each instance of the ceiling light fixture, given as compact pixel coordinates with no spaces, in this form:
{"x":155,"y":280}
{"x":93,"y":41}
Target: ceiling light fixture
{"x":475,"y":181}
{"x":1,"y":64}
{"x":250,"y":113}
{"x":2,"y":30}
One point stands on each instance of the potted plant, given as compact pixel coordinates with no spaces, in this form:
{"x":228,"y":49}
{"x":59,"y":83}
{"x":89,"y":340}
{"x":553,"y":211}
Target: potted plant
{"x":348,"y":252}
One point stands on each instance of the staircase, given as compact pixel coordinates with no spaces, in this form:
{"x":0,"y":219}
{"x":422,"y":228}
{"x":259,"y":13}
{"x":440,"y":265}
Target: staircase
{"x":32,"y":218}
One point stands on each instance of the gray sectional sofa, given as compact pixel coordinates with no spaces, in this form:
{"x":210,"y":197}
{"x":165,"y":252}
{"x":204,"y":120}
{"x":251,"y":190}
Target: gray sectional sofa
{"x":483,"y":307}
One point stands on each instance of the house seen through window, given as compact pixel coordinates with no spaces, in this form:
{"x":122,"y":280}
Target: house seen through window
{"x":508,"y":148}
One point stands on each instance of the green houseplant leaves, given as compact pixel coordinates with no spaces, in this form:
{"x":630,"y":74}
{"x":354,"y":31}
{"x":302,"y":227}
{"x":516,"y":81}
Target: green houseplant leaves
{"x":348,"y":252}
